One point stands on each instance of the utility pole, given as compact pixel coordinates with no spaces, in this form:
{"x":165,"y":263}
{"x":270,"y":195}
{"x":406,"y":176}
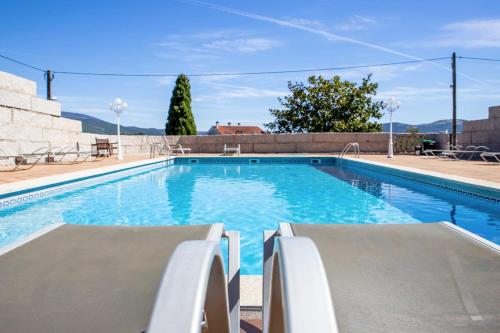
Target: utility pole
{"x":454,"y":86}
{"x":49,"y":77}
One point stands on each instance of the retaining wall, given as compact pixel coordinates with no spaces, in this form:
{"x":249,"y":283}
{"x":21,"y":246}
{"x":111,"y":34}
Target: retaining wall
{"x":297,"y":143}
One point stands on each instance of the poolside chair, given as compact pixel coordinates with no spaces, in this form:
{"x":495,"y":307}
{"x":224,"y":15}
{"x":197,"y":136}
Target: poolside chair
{"x":429,"y":277}
{"x":494,"y":155}
{"x":103,"y":147}
{"x":232,"y":150}
{"x":81,"y":278}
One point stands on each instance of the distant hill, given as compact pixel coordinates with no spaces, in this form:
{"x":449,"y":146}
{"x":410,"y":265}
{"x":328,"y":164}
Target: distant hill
{"x":434,"y":127}
{"x":95,"y":125}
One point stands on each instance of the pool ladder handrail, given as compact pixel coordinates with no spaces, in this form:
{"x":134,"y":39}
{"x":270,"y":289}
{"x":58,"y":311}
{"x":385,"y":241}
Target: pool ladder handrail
{"x":347,"y":148}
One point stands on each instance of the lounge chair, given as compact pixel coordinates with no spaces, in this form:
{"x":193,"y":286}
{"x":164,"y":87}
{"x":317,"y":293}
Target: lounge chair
{"x":68,"y":155}
{"x":25,"y":161}
{"x":81,"y":278}
{"x":469,"y":152}
{"x":231,"y":150}
{"x":429,"y":277}
{"x":494,"y":155}
{"x":164,"y":147}
{"x":438,"y":152}
{"x":176,"y":149}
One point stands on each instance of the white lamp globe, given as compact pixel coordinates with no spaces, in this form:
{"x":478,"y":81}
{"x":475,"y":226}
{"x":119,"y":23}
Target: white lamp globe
{"x":117,"y":101}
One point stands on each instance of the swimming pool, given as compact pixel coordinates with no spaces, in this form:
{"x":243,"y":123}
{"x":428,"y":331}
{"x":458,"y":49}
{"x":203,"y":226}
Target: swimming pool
{"x":251,"y":196}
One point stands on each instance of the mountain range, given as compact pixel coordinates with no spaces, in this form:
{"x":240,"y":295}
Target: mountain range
{"x":434,"y":127}
{"x":95,"y":125}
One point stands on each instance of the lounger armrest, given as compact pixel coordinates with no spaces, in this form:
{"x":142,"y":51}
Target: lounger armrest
{"x":193,"y":291}
{"x":299,"y":293}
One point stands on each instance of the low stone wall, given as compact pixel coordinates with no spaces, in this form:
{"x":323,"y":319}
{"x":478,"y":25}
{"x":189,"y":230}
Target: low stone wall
{"x":297,"y":143}
{"x":484,"y":132}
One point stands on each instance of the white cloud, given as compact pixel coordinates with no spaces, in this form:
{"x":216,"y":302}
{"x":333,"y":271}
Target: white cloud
{"x":442,"y":92}
{"x":212,"y":45}
{"x":468,"y":34}
{"x":304,"y":25}
{"x":223,"y":92}
{"x":356,"y":23}
{"x":243,"y":45}
{"x":165,"y":81}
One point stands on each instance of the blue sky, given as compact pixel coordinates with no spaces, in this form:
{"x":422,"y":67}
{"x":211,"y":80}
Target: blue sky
{"x":239,"y":36}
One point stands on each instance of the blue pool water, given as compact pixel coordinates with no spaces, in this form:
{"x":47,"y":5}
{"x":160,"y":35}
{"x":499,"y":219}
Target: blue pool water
{"x":251,"y":198}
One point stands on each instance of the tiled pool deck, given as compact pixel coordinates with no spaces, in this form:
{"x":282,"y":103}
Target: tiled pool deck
{"x":45,"y":170}
{"x":474,"y":170}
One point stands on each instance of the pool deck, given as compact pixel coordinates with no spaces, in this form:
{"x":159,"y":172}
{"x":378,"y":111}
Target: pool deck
{"x":46,"y":170}
{"x":470,"y":169}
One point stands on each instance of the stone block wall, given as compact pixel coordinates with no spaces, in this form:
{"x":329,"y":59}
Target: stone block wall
{"x":28,"y":123}
{"x":484,"y":132}
{"x":295,"y":143}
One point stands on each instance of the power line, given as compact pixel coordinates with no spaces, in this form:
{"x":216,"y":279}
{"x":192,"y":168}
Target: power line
{"x":481,"y":59}
{"x":255,"y":73}
{"x":21,"y":63}
{"x":230,"y":74}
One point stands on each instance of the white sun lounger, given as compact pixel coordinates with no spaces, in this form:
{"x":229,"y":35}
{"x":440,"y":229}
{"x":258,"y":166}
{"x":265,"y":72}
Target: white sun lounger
{"x":427,"y":277}
{"x":494,"y":155}
{"x":115,"y":279}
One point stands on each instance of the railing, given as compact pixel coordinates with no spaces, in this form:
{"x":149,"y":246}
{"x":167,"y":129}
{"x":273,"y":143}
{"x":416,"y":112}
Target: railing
{"x":352,"y":145}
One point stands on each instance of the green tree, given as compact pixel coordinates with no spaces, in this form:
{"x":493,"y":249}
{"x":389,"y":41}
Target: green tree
{"x":180,"y":118}
{"x":324,"y":105}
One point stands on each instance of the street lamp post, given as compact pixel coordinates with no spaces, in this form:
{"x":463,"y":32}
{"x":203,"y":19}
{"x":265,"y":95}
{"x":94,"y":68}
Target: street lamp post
{"x":118,"y":106}
{"x":391,"y":105}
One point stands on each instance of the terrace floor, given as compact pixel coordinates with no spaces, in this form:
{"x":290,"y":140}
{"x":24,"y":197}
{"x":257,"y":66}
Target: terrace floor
{"x":470,"y":169}
{"x":44,"y":170}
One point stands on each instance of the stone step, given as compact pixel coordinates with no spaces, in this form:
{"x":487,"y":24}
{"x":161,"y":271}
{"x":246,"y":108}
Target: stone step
{"x":17,"y":100}
{"x":17,"y":84}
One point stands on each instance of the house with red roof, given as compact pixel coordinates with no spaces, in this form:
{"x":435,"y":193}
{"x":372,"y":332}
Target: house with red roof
{"x":231,"y":129}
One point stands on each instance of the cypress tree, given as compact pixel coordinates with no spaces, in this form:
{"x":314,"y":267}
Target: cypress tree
{"x":180,"y":118}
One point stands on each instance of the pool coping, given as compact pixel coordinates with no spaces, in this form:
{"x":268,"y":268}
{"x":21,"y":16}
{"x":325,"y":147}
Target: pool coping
{"x":458,"y":180}
{"x":35,"y":184}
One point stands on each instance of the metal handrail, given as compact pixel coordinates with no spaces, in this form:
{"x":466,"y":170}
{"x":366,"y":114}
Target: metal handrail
{"x":347,"y":148}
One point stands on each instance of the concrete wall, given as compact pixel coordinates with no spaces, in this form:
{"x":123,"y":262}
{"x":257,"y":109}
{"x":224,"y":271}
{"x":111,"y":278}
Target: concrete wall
{"x":484,"y":132}
{"x":297,"y":143}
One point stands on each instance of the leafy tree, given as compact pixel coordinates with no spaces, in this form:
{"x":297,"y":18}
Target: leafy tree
{"x":180,"y":118}
{"x":324,"y":105}
{"x":412,"y":130}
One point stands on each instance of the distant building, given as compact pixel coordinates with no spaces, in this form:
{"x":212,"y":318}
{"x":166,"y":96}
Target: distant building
{"x":230,"y":129}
